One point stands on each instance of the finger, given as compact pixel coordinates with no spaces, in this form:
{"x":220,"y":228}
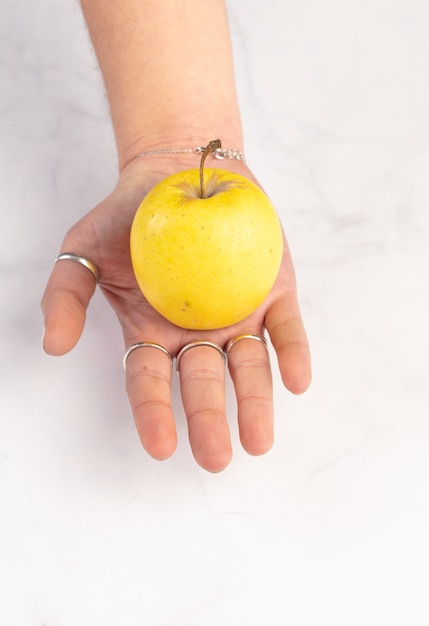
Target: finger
{"x":202,"y":380}
{"x":64,"y":303}
{"x":288,"y":336}
{"x":148,"y":384}
{"x":250,"y":370}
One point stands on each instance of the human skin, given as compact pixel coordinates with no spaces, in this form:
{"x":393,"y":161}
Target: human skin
{"x":169,"y":79}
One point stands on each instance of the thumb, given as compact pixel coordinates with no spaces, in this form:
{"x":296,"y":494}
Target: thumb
{"x":64,"y":303}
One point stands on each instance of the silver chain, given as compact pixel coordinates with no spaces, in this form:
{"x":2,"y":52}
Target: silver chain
{"x":220,"y":153}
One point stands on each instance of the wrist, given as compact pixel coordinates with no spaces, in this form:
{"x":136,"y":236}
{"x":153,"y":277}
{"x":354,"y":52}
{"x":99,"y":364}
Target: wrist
{"x":148,"y":168}
{"x":150,"y":141}
{"x":168,"y":72}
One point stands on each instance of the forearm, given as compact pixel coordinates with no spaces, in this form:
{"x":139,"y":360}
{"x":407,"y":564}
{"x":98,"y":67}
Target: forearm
{"x":168,"y":72}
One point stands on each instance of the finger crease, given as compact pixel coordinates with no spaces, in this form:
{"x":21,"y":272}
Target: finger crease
{"x":148,"y":373}
{"x":254,"y":398}
{"x":292,"y":343}
{"x":202,"y":375}
{"x":69,"y":292}
{"x":200,"y":413}
{"x":252,"y":363}
{"x":145,"y":404}
{"x":284,"y":324}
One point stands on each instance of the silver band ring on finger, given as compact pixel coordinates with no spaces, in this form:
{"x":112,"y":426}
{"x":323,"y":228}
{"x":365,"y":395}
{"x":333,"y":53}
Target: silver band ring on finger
{"x":70,"y":256}
{"x":196,"y":344}
{"x":235,"y":340}
{"x":145,"y":344}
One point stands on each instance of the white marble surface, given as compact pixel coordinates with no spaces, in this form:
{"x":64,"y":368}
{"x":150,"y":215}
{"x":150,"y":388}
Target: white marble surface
{"x":329,"y":528}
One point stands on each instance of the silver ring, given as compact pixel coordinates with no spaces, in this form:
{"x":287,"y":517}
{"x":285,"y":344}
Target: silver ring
{"x":235,"y":340}
{"x":69,"y":256}
{"x":145,"y":344}
{"x":195,"y":344}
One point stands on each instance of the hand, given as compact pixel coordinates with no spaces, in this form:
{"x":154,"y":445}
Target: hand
{"x":103,"y":236}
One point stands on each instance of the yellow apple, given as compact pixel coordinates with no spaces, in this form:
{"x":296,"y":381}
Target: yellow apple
{"x":206,"y":262}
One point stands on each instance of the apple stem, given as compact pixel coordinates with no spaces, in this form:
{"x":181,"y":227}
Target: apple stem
{"x":211,"y":148}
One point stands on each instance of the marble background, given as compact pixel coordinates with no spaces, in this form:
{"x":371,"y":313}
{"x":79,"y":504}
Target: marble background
{"x":329,"y":528}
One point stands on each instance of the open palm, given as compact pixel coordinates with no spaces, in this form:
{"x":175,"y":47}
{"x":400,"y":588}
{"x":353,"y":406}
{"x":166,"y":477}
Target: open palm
{"x":103,"y":236}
